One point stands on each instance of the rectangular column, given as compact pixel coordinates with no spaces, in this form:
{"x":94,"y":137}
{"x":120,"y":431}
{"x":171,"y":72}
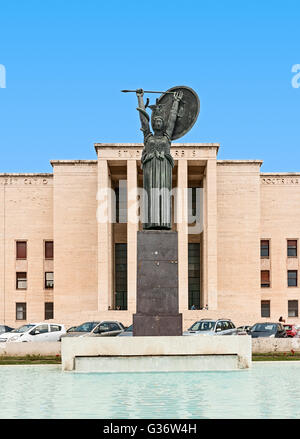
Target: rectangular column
{"x":182,"y":229}
{"x":104,"y":219}
{"x":132,"y":228}
{"x":210,"y":235}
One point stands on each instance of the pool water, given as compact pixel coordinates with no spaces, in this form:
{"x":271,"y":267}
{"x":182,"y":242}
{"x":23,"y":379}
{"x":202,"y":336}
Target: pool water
{"x":268,"y":390}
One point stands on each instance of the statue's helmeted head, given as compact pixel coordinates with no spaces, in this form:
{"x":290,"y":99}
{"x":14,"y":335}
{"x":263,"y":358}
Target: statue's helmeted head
{"x":157,"y":118}
{"x":157,"y":123}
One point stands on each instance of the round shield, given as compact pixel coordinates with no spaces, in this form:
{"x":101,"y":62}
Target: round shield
{"x":188,"y":111}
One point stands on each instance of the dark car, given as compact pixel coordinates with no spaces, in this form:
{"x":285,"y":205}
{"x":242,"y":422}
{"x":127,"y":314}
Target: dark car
{"x":72,"y":329}
{"x":127,"y":333}
{"x":4,"y":328}
{"x":268,"y":330}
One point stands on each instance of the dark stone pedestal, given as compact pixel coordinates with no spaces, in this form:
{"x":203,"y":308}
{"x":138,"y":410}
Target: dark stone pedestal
{"x":157,"y":284}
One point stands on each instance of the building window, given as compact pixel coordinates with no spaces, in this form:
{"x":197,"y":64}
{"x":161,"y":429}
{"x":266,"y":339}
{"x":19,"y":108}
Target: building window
{"x":48,"y":249}
{"x":21,"y":311}
{"x":194,"y":275}
{"x":292,"y":278}
{"x":293,"y":308}
{"x":265,"y":278}
{"x":49,"y":310}
{"x":292,"y":248}
{"x":120,"y":276}
{"x":21,"y":281}
{"x":265,"y":308}
{"x":264,"y":248}
{"x":21,"y":249}
{"x":49,"y":280}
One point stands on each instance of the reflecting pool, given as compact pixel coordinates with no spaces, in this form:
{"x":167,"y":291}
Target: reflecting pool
{"x":268,"y":390}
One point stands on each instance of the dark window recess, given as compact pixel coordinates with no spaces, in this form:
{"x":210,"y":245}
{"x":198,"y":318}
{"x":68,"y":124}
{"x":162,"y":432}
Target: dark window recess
{"x":265,"y":308}
{"x":292,"y":248}
{"x":49,"y":311}
{"x":265,"y":278}
{"x":21,"y":251}
{"x":194,"y":275}
{"x":48,"y":249}
{"x":292,"y":278}
{"x":21,"y":281}
{"x":121,"y":276}
{"x":264,"y":248}
{"x":121,"y":204}
{"x":194,"y":204}
{"x":293,"y":308}
{"x":49,"y":280}
{"x":21,"y":311}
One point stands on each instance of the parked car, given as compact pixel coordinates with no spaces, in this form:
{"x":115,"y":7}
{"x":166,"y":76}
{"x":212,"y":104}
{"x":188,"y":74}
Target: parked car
{"x":243,"y":329}
{"x":72,"y":329}
{"x":35,"y":332}
{"x":82,"y":329}
{"x":95,"y":329}
{"x":4,"y":328}
{"x":107,"y":329}
{"x":212,"y":327}
{"x":297,"y":328}
{"x":127,"y":333}
{"x":291,"y":330}
{"x":268,"y":329}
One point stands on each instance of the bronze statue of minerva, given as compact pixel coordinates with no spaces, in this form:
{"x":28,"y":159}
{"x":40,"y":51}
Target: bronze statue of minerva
{"x":173,"y":115}
{"x":157,"y":162}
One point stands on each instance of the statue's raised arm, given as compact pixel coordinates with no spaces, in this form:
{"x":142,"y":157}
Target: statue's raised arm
{"x":144,"y":116}
{"x":173,"y":113}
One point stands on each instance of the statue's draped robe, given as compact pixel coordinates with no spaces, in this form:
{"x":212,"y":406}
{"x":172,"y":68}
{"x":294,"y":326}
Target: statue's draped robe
{"x":157,"y":165}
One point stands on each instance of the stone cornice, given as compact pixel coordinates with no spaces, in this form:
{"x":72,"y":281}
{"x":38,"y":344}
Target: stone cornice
{"x":240,"y":162}
{"x":72,"y":162}
{"x":141,"y":145}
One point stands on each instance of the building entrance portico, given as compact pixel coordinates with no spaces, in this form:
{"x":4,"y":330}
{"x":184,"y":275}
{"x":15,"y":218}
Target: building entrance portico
{"x":194,"y":218}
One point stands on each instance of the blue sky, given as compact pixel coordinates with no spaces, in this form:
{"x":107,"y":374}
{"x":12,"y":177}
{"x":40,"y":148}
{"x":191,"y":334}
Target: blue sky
{"x":66,"y":62}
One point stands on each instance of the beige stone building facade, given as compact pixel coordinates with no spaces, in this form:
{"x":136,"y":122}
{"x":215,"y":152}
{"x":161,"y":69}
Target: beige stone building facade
{"x":59,"y":262}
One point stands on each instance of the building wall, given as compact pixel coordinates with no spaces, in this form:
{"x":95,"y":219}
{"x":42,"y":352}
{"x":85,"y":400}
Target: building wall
{"x":26,"y":213}
{"x":75,"y":239}
{"x":280,"y":220}
{"x":238,"y":225}
{"x":249,"y":206}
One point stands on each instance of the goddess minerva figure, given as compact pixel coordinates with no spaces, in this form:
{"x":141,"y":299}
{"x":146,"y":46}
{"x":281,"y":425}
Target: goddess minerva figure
{"x":157,"y":163}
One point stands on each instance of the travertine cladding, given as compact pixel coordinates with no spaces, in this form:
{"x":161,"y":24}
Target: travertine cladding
{"x":238,"y":216}
{"x":280,"y":220}
{"x":75,"y":239}
{"x":26,"y":213}
{"x":241,"y":207}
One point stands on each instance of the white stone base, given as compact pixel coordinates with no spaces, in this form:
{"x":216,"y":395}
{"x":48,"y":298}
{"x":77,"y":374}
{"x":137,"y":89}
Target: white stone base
{"x":145,"y":354}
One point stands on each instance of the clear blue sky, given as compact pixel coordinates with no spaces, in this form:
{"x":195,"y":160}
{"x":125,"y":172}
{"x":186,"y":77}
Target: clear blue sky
{"x":66,"y":62}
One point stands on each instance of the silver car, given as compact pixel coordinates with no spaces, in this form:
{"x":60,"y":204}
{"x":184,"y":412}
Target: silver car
{"x":97,"y":329}
{"x":212,"y":327}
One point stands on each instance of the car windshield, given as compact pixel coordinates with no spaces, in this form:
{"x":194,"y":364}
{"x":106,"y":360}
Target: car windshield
{"x":23,"y":328}
{"x":288,"y":327}
{"x":86,"y":327}
{"x":264,"y":327}
{"x":129,"y":329}
{"x":203,"y":326}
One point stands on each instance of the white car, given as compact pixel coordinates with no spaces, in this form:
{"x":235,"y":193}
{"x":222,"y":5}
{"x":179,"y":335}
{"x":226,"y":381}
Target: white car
{"x":35,"y":332}
{"x":212,"y":327}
